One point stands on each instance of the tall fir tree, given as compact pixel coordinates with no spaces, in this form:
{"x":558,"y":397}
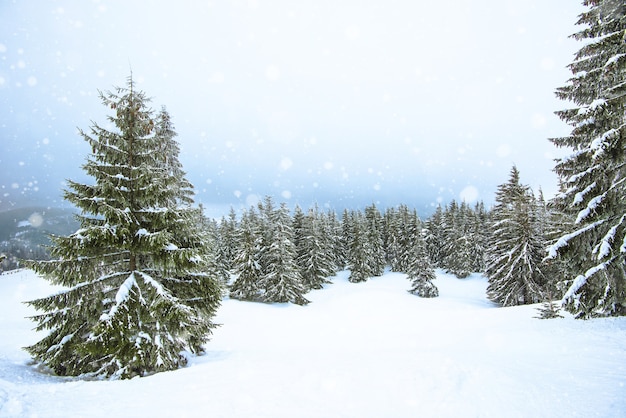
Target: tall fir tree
{"x":375,"y":244}
{"x":478,"y":236}
{"x":358,"y":253}
{"x":435,"y":237}
{"x":333,"y":237}
{"x":137,"y":289}
{"x":281,"y":280}
{"x":516,"y":248}
{"x":315,"y":255}
{"x":345,"y":239}
{"x":392,"y":238}
{"x":227,"y":236}
{"x":297,"y":224}
{"x":593,"y":176}
{"x":420,"y":269}
{"x":219,"y":253}
{"x":246,"y":265}
{"x":458,"y":241}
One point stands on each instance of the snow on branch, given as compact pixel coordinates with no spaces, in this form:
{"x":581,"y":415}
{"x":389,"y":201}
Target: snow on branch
{"x":573,"y":156}
{"x":581,"y":280}
{"x":579,"y":197}
{"x":122,"y":295}
{"x":574,"y":177}
{"x":614,"y":59}
{"x":597,"y":145}
{"x":597,"y":103}
{"x":565,"y":239}
{"x":61,"y":343}
{"x":592,"y":205}
{"x":607,"y":240}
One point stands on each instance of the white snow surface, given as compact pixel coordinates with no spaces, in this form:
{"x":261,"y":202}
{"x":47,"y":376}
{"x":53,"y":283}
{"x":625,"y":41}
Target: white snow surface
{"x":358,"y":350}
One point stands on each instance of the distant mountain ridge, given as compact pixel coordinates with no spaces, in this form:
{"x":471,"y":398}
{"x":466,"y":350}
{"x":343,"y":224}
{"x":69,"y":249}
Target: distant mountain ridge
{"x":24,"y":232}
{"x":45,"y":220}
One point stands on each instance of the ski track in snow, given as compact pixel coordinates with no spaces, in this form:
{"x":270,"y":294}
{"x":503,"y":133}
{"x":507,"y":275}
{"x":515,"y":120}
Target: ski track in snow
{"x":358,"y":350}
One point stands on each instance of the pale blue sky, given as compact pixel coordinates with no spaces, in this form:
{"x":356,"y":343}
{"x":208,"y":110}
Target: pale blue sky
{"x":343,"y":103}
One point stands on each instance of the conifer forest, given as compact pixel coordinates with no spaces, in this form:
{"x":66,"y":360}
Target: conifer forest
{"x":146,"y":271}
{"x":512,"y":308}
{"x":134,"y":294}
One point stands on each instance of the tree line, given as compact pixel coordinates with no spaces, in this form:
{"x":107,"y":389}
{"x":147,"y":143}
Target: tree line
{"x":272,"y":255}
{"x":507,"y":243}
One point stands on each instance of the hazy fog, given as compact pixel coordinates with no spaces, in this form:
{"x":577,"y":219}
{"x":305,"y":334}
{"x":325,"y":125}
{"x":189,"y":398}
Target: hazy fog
{"x":343,"y":103}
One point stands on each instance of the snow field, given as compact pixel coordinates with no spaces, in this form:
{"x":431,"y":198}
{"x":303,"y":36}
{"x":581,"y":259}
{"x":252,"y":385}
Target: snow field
{"x":358,"y":350}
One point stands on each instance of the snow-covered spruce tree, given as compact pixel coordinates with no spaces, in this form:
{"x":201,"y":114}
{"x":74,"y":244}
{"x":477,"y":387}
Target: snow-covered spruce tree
{"x":516,"y":248}
{"x":347,"y":225}
{"x":593,"y":176}
{"x":315,"y":255}
{"x":553,"y":223}
{"x":411,"y":241}
{"x":458,"y":241}
{"x":401,"y":225}
{"x":478,"y":234}
{"x":333,"y":239}
{"x":392,"y":236}
{"x":435,"y":237}
{"x":403,"y":229}
{"x":246,"y":266}
{"x":138,"y":294}
{"x":281,"y":280}
{"x":375,"y":246}
{"x":227,"y":236}
{"x":218,"y":254}
{"x":297,"y":224}
{"x":549,"y":309}
{"x":357,"y":252}
{"x":420,"y":270}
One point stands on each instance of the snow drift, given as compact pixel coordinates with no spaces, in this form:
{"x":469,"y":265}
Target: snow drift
{"x":358,"y":350}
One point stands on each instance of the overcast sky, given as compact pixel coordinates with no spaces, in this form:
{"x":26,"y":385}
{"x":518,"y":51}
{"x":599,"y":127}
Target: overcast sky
{"x":340,"y":102}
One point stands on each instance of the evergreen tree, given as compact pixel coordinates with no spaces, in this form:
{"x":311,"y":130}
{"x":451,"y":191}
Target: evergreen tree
{"x":400,"y":229}
{"x":138,"y":292}
{"x":420,"y":270}
{"x":227,"y":232}
{"x":374,"y":240}
{"x":549,"y":309}
{"x":281,"y":280}
{"x":246,"y":266}
{"x":553,"y":223}
{"x":457,"y":241}
{"x":434,"y":237}
{"x":333,"y":237}
{"x":392,"y":232}
{"x":515,"y":253}
{"x":405,"y":239}
{"x":219,"y":253}
{"x":166,"y":152}
{"x":412,"y":244}
{"x":347,"y":228}
{"x":478,"y":236}
{"x":315,"y":254}
{"x":593,"y":176}
{"x":358,"y":252}
{"x":298,"y":229}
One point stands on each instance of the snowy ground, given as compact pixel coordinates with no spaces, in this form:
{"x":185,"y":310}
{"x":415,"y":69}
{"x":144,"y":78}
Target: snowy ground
{"x":358,"y":350}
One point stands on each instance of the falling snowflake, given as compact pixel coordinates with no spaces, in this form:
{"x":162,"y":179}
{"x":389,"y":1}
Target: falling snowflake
{"x":272,"y":73}
{"x":353,"y":32}
{"x":469,"y":194}
{"x":286,"y":163}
